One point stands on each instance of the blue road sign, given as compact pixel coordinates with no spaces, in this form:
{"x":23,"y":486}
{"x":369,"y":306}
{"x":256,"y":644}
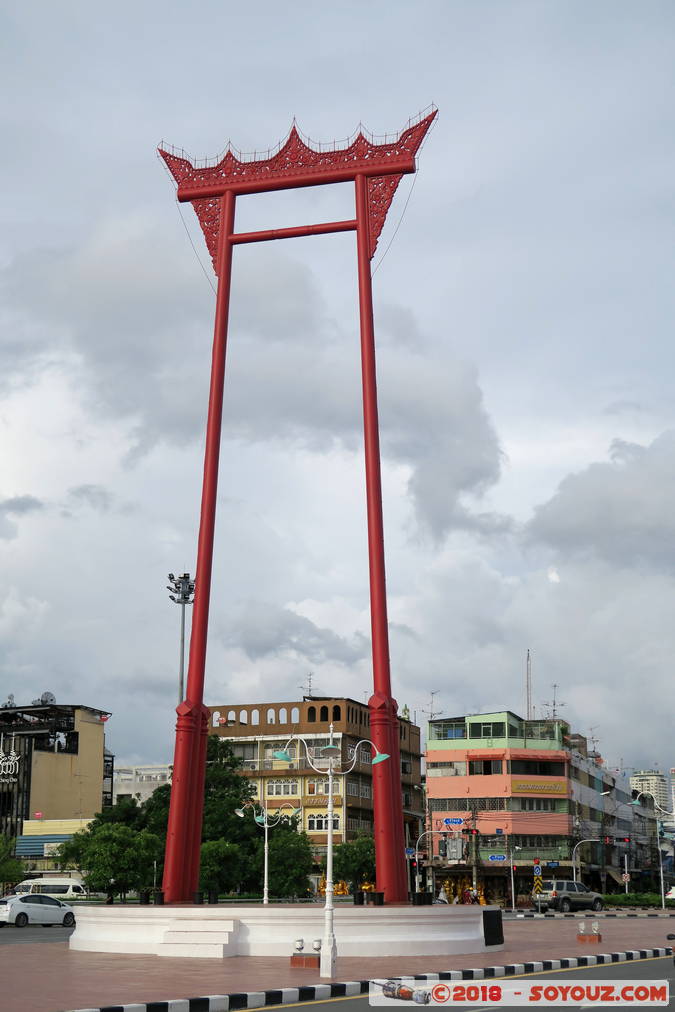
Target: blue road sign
{"x":553,"y":864}
{"x":497,"y":857}
{"x":537,"y":870}
{"x":410,"y":851}
{"x":499,"y":832}
{"x":453,"y":822}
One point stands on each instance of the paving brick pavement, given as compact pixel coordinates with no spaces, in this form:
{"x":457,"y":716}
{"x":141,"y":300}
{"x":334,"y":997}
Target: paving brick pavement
{"x":49,"y":977}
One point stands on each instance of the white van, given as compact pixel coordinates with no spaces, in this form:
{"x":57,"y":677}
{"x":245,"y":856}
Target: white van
{"x":60,"y":888}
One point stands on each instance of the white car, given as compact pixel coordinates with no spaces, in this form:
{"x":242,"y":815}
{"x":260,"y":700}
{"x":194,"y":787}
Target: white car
{"x":35,"y":909}
{"x":670,"y":895}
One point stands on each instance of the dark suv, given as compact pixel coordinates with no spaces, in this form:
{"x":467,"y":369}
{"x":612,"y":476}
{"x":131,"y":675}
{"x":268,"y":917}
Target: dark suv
{"x":564,"y":895}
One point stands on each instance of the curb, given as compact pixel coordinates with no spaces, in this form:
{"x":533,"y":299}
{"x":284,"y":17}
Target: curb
{"x":578,"y":914}
{"x":320,"y":992}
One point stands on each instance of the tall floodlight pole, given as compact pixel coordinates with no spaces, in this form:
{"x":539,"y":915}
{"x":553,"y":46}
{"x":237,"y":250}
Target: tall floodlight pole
{"x":376,"y":170}
{"x":183,"y":589}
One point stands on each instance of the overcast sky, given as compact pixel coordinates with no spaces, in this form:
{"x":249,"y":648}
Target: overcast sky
{"x":523,"y":317}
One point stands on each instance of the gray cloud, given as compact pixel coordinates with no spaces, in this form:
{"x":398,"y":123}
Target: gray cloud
{"x":16,"y":506}
{"x":95,"y":496}
{"x":622,"y":510}
{"x":261,"y":629}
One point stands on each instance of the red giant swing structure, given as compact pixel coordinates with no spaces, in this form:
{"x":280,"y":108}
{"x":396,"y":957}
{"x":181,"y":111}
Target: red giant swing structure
{"x":376,"y":171}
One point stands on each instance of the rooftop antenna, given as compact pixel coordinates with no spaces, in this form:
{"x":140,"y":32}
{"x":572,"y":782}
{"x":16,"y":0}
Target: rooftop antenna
{"x":553,"y":705}
{"x":528,"y":688}
{"x":307,"y":691}
{"x":594,"y":739}
{"x":431,"y":711}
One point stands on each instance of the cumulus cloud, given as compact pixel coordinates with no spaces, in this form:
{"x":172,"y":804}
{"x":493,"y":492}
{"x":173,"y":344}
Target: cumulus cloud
{"x":262,"y":629}
{"x":621,"y":510}
{"x":16,"y":506}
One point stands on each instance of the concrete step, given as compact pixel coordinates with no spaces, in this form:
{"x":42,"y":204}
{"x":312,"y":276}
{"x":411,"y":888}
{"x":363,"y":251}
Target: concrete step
{"x":197,"y":950}
{"x":184,"y":937}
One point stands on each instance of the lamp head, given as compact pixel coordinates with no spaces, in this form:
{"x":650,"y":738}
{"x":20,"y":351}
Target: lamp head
{"x":316,"y":945}
{"x":240,"y":812}
{"x":281,"y":753}
{"x":380,"y":758}
{"x":299,"y":944}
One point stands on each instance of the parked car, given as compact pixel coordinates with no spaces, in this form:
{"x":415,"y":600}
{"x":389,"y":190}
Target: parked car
{"x":565,"y":895}
{"x":35,"y":909}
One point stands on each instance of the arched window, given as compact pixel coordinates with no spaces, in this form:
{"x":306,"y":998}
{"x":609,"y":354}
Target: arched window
{"x":295,"y":715}
{"x":278,"y":788}
{"x":283,"y":716}
{"x":255,"y":716}
{"x":271,"y":716}
{"x":324,"y":713}
{"x":243,"y":717}
{"x":337,"y":713}
{"x":311,"y":714}
{"x":215,"y":718}
{"x":231,"y":717}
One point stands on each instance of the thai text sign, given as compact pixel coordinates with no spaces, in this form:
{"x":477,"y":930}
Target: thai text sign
{"x":539,"y":786}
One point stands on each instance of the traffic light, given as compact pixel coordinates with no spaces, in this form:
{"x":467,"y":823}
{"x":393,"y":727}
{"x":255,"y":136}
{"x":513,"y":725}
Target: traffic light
{"x":625,"y":839}
{"x":515,"y":867}
{"x":414,"y":864}
{"x":474,"y":832}
{"x":608,"y":839}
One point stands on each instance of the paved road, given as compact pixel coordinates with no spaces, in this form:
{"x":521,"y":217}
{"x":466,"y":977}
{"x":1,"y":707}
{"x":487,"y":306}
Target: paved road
{"x":33,"y":933}
{"x":645,"y":970}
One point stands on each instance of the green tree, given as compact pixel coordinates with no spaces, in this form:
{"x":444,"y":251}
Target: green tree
{"x":117,"y":858}
{"x":221,"y":866}
{"x":354,"y":861}
{"x":127,"y":812}
{"x":11,"y":868}
{"x":155,"y":811}
{"x":290,"y":861}
{"x":225,"y":789}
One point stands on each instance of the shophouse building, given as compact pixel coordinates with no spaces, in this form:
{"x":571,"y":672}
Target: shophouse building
{"x":256,"y":730}
{"x":510,"y":792}
{"x":55,"y":773}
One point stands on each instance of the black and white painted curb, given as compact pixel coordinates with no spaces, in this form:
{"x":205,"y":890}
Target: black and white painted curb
{"x":585,"y":914}
{"x":320,"y":992}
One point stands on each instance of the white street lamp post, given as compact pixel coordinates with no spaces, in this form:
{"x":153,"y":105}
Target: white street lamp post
{"x":263,"y":820}
{"x":332,"y":754}
{"x":648,"y":794}
{"x":590,"y":839}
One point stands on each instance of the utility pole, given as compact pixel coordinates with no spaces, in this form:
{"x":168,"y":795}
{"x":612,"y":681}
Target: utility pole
{"x":183,"y":593}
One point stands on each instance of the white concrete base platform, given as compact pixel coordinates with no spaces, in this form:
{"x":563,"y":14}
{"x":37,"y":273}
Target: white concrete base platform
{"x":218,"y":931}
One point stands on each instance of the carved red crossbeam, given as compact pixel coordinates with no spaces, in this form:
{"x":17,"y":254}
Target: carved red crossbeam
{"x":297,"y":164}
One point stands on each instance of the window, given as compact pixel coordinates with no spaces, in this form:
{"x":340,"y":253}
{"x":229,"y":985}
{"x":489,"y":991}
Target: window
{"x":255,"y":716}
{"x":353,"y":788}
{"x":321,"y":786}
{"x":337,"y":713}
{"x":311,"y":714}
{"x":295,"y":715}
{"x":481,"y":767}
{"x":487,"y":730}
{"x":467,"y":804}
{"x":319,"y":823}
{"x":276,"y":788}
{"x":283,"y":715}
{"x":440,"y":729}
{"x":324,"y":713}
{"x":453,"y":769}
{"x":365,"y":790}
{"x":534,"y":767}
{"x":406,"y":766}
{"x":243,"y":717}
{"x":271,"y":716}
